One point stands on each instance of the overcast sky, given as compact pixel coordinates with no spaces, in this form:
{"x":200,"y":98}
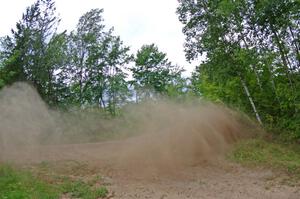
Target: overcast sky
{"x":137,"y":22}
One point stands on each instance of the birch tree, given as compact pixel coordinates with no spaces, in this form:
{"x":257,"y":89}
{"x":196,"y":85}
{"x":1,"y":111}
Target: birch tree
{"x":251,"y":50}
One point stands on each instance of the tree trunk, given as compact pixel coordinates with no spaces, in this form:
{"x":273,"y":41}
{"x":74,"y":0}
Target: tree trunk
{"x":282,"y":55}
{"x":296,"y":47}
{"x":274,"y":85}
{"x":253,"y":66}
{"x":50,"y":87}
{"x":102,"y":103}
{"x":81,"y":79}
{"x":136,"y":96}
{"x":286,"y":63}
{"x":257,"y":78}
{"x":251,"y":101}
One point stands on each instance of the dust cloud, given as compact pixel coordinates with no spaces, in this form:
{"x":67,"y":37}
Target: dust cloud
{"x":24,"y":118}
{"x":181,"y":134}
{"x":158,"y":134}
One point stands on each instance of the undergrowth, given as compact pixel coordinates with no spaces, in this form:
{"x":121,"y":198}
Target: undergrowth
{"x":18,"y":184}
{"x":275,"y":155}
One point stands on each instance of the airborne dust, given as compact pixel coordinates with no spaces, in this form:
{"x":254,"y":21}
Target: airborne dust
{"x":160,"y":134}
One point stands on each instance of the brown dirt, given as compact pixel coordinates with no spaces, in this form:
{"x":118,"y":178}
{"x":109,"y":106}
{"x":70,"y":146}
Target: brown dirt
{"x":177,"y":151}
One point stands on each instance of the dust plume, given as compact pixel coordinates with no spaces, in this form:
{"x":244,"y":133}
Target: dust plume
{"x":181,"y":134}
{"x":159,"y":134}
{"x":24,"y":117}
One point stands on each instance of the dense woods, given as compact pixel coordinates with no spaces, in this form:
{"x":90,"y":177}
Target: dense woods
{"x":252,"y":56}
{"x":251,"y":49}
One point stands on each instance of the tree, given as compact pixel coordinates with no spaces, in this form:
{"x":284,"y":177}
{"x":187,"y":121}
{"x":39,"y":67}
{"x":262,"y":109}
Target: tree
{"x":85,"y":68}
{"x":29,"y":45}
{"x":251,"y":55}
{"x":97,"y":64}
{"x":6,"y":76}
{"x":56,"y":59}
{"x":153,"y":73}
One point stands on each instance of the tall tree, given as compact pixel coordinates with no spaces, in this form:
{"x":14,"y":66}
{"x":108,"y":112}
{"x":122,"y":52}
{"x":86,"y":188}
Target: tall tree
{"x":56,"y":60}
{"x":153,"y":73}
{"x":251,"y":54}
{"x":29,"y":44}
{"x":97,"y":64}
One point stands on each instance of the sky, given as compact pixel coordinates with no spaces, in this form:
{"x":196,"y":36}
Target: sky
{"x":137,"y":22}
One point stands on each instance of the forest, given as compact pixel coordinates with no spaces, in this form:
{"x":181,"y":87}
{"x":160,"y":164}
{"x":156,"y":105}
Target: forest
{"x":251,"y":50}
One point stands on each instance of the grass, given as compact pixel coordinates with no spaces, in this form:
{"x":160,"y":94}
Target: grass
{"x":274,"y":155}
{"x":80,"y":189}
{"x":20,"y":184}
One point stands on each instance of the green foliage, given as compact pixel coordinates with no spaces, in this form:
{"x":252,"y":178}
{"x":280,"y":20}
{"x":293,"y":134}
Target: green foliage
{"x":85,"y":68}
{"x":251,"y":49}
{"x":29,"y":54}
{"x":19,"y":184}
{"x":257,"y":152}
{"x":22,"y":184}
{"x":252,"y":56}
{"x":80,"y":189}
{"x":88,"y":67}
{"x":154,"y":74}
{"x":97,"y":64}
{"x":101,"y":192}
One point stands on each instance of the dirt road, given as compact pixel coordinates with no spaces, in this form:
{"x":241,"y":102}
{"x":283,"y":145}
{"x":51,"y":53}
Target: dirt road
{"x":179,"y":152}
{"x":141,"y":175}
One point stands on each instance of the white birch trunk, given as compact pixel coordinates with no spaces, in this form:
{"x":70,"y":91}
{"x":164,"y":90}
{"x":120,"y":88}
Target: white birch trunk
{"x":251,"y":101}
